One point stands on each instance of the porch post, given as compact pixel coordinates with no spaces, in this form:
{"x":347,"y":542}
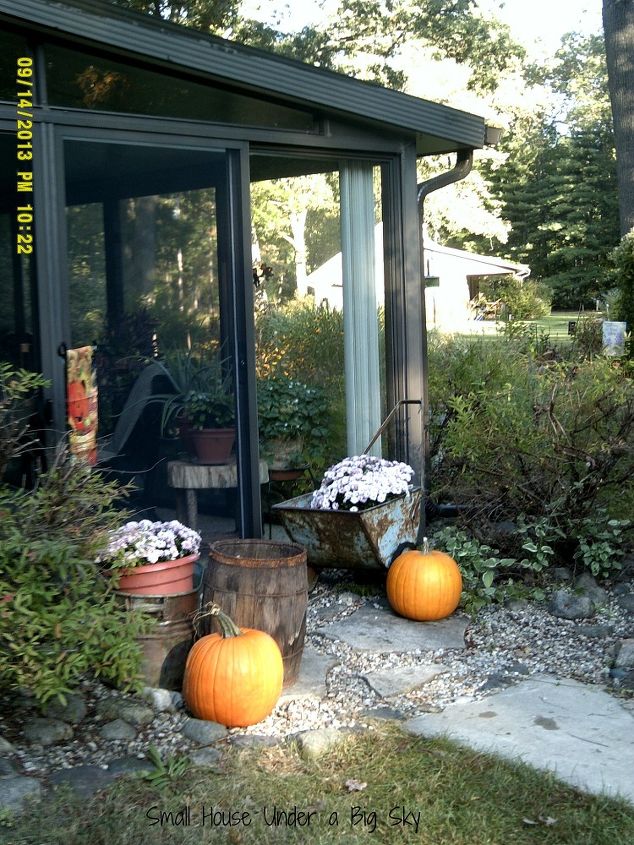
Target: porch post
{"x":361,"y":331}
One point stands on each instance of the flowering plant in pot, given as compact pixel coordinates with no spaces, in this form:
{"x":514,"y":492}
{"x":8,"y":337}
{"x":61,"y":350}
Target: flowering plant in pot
{"x":364,"y":513}
{"x":360,"y":482}
{"x":152,"y":558}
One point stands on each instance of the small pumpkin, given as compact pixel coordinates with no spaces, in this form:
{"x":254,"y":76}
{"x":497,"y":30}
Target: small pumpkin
{"x":233,"y":677}
{"x":424,"y":585}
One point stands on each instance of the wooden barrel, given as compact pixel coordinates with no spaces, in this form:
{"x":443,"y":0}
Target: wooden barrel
{"x":261,"y":584}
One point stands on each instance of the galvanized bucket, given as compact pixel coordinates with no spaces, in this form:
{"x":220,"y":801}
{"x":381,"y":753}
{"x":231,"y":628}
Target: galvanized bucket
{"x":367,"y":539}
{"x":165,"y":648}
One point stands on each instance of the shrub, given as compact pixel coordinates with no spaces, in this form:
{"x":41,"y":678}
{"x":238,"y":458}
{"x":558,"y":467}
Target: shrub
{"x":487,"y":576}
{"x":303,"y":342}
{"x":291,"y":410}
{"x":528,"y":338}
{"x":513,"y":436}
{"x":588,"y":337}
{"x":623,"y":258}
{"x":58,"y":615}
{"x":17,"y":388}
{"x":524,"y":299}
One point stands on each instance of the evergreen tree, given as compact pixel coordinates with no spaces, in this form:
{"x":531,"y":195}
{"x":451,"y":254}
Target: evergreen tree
{"x":558,"y":185}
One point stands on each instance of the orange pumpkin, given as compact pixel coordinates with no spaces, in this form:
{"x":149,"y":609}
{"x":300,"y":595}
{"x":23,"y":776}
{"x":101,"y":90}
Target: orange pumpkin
{"x":424,"y":585}
{"x":234,"y":677}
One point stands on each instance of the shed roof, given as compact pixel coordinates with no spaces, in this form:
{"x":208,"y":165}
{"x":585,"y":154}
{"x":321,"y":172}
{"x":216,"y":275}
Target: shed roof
{"x":437,"y":128}
{"x":478,"y":265}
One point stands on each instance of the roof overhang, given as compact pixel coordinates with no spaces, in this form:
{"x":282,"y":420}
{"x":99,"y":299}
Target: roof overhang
{"x":436,"y":127}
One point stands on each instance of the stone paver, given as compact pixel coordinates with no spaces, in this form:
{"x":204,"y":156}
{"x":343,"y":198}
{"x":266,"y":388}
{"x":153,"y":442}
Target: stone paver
{"x":47,"y":731}
{"x":119,"y":730}
{"x":399,"y":681}
{"x":83,"y":780}
{"x":579,"y":732}
{"x":381,"y":630}
{"x":314,"y":744}
{"x":73,"y":710}
{"x":203,"y":732}
{"x":311,"y":679}
{"x":16,"y":793}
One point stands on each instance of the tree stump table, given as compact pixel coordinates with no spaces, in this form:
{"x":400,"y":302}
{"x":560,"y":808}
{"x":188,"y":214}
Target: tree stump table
{"x":186,"y":478}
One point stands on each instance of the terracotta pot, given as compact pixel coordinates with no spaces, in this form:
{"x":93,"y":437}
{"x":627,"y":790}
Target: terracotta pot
{"x":213,"y":445}
{"x":185,"y":434}
{"x":285,"y":474}
{"x":160,"y":579}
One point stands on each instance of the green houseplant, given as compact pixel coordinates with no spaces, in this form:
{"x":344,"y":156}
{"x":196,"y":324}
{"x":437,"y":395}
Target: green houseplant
{"x":208,"y":417}
{"x":293,"y":421}
{"x":202,"y":407}
{"x":152,"y":558}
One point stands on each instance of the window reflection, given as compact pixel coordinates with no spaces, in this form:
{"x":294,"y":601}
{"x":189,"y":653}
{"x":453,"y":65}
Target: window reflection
{"x":85,"y":81}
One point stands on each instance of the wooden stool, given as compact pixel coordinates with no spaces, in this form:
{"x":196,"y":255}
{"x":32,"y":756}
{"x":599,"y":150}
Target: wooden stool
{"x":186,"y":478}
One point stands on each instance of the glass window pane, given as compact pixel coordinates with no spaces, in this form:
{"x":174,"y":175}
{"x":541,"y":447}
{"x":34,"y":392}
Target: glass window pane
{"x":17,"y":341}
{"x":146,"y":288}
{"x":87,"y":276}
{"x":12,"y":47}
{"x":308,"y":330}
{"x":83,"y":81}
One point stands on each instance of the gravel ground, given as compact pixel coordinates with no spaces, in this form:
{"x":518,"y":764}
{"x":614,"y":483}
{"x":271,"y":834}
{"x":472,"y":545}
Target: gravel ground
{"x":502,"y":644}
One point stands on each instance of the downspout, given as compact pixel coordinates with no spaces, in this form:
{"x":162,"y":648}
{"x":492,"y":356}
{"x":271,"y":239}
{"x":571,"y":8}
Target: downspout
{"x":460,"y":170}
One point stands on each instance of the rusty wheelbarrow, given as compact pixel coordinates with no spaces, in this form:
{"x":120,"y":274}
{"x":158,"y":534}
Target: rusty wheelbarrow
{"x":366,"y":539}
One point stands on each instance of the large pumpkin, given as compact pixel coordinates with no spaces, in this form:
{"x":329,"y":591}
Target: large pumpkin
{"x":424,"y":585}
{"x":234,"y":677}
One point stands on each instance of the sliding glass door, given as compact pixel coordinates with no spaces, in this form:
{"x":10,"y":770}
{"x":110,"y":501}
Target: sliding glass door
{"x":151,"y":292}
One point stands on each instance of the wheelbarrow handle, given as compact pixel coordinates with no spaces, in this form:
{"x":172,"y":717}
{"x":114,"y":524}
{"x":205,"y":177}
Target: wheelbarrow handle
{"x":388,"y":418}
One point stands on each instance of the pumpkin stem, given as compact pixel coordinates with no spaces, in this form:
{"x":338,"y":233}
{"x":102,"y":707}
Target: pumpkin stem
{"x":228,"y":627}
{"x":425,"y":546}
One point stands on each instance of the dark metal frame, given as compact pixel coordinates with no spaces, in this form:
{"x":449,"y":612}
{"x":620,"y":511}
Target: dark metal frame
{"x":401,"y":267}
{"x":353,"y":120}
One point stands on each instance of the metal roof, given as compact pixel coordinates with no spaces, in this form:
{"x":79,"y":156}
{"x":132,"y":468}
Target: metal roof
{"x":251,"y":70}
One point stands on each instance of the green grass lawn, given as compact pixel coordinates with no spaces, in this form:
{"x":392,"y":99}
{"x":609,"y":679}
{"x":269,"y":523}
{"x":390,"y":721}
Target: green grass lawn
{"x":382,"y":787}
{"x":555,"y":325}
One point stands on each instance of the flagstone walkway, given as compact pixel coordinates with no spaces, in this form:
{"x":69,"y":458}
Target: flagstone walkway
{"x":578,"y":731}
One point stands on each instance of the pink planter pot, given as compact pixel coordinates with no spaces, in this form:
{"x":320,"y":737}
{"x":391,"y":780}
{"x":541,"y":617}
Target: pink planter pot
{"x":160,"y":579}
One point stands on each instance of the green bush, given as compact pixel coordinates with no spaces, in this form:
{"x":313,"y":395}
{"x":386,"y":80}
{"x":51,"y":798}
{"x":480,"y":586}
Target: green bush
{"x":17,"y":390}
{"x":528,"y":338}
{"x":487,"y":576}
{"x":290,"y":410}
{"x":623,"y":258}
{"x":303,"y":342}
{"x":59,"y":618}
{"x":524,"y":299}
{"x":588,"y":337}
{"x":511,"y":435}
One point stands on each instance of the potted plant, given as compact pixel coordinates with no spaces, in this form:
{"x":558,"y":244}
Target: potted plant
{"x":202,"y":407}
{"x":209,"y":415}
{"x":293,"y":420}
{"x":365,"y":512}
{"x":152,"y":558}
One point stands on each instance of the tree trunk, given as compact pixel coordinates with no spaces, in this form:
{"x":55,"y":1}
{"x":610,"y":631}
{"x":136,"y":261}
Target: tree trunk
{"x":297,"y":221}
{"x":618,"y":26}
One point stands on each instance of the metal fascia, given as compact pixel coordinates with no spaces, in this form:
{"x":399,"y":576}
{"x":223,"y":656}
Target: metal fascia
{"x":253,"y":70}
